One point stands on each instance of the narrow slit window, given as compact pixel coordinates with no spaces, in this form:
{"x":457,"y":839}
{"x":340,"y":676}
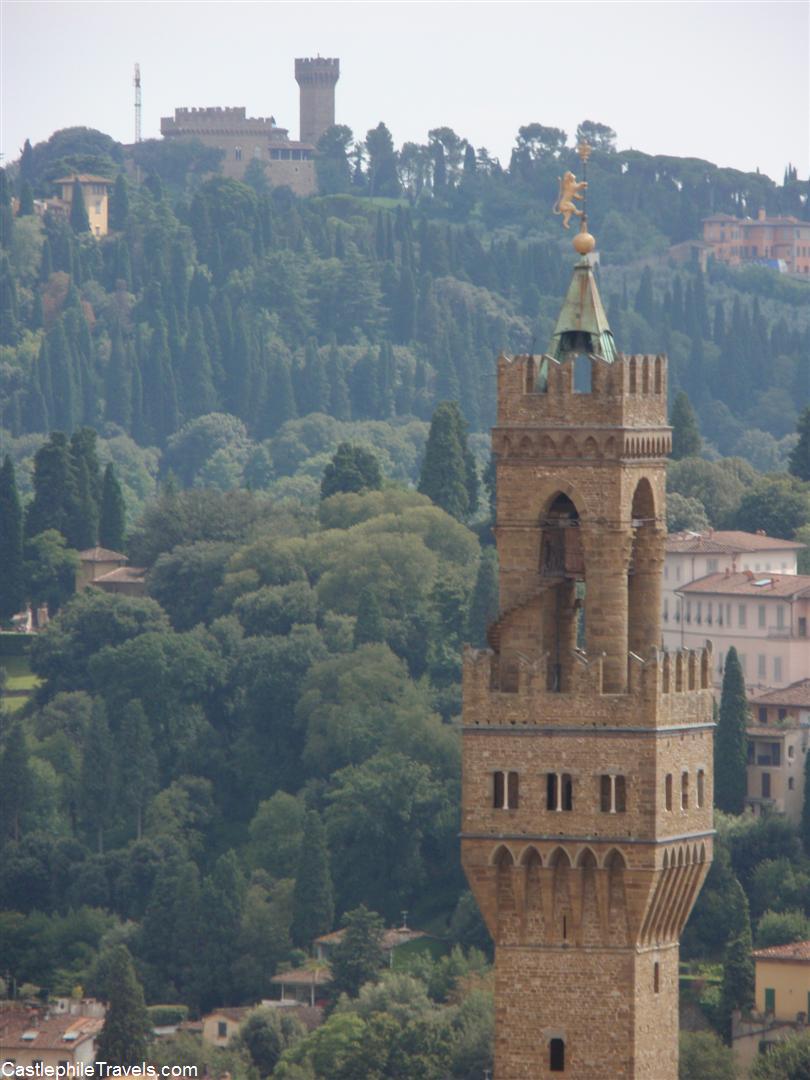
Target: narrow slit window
{"x":685,"y":791}
{"x":656,"y":977}
{"x":556,"y":1054}
{"x":512,"y":792}
{"x":668,"y":791}
{"x":498,"y":792}
{"x":701,"y":788}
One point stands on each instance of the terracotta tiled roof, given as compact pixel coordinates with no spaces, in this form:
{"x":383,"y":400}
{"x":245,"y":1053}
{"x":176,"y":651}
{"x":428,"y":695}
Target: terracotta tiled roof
{"x":45,"y":1033}
{"x":390,"y":939}
{"x":745,"y":584}
{"x":303,"y":976}
{"x":237,"y":1013}
{"x":728,"y":542}
{"x":798,"y":950}
{"x":85,"y":178}
{"x":798,"y":693}
{"x":100,"y":554}
{"x":122,"y":573}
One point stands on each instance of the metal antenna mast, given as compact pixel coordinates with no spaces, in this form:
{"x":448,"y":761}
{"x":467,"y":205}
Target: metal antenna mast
{"x":137,"y":103}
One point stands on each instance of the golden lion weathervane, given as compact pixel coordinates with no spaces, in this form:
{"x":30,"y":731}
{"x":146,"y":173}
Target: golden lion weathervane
{"x":573,"y":191}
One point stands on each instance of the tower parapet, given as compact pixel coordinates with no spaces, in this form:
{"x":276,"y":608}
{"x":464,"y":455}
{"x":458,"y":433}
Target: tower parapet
{"x":317,"y":78}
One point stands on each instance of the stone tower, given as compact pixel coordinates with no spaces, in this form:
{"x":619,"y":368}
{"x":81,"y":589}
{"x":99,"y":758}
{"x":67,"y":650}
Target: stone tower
{"x":587,"y":753}
{"x":316,"y":77}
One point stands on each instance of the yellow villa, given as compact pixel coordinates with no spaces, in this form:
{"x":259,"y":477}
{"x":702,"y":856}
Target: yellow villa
{"x":96,"y":191}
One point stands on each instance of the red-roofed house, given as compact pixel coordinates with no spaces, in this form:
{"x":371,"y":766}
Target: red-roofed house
{"x":31,"y":1036}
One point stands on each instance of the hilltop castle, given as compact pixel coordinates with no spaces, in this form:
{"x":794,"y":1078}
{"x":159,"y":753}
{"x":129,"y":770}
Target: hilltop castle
{"x":245,"y":139}
{"x":587,"y":753}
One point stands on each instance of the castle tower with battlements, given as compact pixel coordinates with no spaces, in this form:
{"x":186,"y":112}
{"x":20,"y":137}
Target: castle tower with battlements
{"x":316,"y":78}
{"x":587,"y":752}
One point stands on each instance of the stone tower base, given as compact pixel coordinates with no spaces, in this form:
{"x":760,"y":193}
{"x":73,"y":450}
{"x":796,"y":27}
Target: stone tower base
{"x":602,"y":1003}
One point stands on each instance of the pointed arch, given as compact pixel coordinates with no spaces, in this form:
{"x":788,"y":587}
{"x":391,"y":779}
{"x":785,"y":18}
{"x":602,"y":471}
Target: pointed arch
{"x":590,"y":448}
{"x":530,"y":855}
{"x":587,"y":859}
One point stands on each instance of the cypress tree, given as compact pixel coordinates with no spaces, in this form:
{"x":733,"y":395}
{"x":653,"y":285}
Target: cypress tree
{"x":224,"y":893}
{"x":15,"y":782}
{"x":27,"y":162}
{"x":195,"y":375}
{"x":6,"y":214}
{"x":484,"y":602}
{"x":54,"y":487}
{"x":730,"y":748}
{"x":79,"y":221}
{"x":738,"y":965}
{"x":82,"y":523}
{"x":26,"y":208}
{"x":314,"y":389}
{"x":313,"y":902}
{"x":369,"y":627}
{"x":112,"y":515}
{"x":118,"y":390}
{"x":83,"y":447}
{"x":63,"y":402}
{"x":12,"y":583}
{"x":124,"y":1039}
{"x":119,"y":204}
{"x":280,"y":401}
{"x":339,"y":404}
{"x":386,"y":367}
{"x":9,"y":308}
{"x":137,"y":764}
{"x":403,"y":316}
{"x":799,"y":461}
{"x":686,"y":440}
{"x":443,"y":476}
{"x":98,"y":788}
{"x":645,"y":301}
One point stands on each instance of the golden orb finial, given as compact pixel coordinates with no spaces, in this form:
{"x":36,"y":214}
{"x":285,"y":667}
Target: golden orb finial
{"x":584,"y":242}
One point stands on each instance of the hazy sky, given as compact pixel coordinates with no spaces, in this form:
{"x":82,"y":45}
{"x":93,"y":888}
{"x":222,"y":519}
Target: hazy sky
{"x":726,"y":81}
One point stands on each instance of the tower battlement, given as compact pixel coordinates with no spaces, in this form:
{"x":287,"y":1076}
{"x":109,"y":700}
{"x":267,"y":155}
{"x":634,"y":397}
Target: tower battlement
{"x":629,"y":390}
{"x":668,"y":689}
{"x":325,"y":68}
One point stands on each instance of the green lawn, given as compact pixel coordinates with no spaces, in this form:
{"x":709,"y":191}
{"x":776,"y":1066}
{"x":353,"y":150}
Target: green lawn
{"x":19,"y":673}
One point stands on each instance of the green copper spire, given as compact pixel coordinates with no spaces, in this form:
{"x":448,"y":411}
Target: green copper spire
{"x":582,"y":325}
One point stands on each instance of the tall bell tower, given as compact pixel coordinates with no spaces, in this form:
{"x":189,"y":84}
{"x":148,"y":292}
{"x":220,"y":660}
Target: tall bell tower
{"x":587,"y":752}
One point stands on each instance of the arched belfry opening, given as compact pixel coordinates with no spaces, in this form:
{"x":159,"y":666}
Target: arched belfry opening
{"x":562,"y":569}
{"x":644,"y":573}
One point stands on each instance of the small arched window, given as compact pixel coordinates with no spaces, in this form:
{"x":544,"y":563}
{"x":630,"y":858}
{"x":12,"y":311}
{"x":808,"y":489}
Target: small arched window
{"x":668,"y":791}
{"x":556,"y":1055}
{"x":701,"y":788}
{"x":685,"y":791}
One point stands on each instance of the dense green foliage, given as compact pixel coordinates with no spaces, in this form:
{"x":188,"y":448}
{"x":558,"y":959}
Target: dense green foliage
{"x":241,"y":390}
